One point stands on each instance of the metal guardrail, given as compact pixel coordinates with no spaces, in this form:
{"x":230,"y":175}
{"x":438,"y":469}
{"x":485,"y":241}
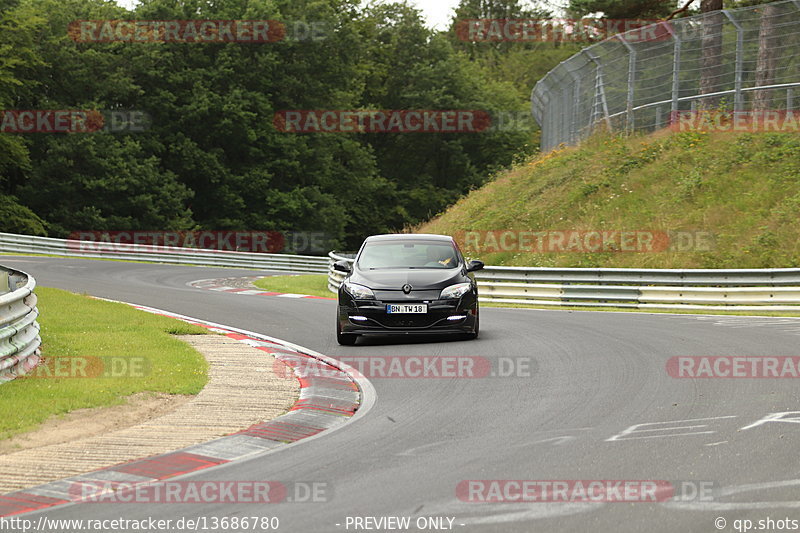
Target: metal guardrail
{"x":775,"y":289}
{"x":19,"y":331}
{"x":161,"y":254}
{"x":713,"y":289}
{"x":738,"y":60}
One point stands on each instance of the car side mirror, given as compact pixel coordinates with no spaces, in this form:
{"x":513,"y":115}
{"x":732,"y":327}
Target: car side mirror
{"x":474,"y":265}
{"x":342,"y":266}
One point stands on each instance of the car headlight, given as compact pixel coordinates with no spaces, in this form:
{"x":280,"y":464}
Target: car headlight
{"x":359,"y":292}
{"x":455,"y":291}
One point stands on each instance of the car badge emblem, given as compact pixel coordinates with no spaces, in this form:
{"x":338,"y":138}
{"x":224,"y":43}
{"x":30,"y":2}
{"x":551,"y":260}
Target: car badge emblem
{"x":407,"y":288}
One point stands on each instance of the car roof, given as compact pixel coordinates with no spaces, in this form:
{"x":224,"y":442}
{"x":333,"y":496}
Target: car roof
{"x":409,"y":236}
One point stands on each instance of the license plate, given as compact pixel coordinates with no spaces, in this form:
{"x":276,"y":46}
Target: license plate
{"x":406,"y":308}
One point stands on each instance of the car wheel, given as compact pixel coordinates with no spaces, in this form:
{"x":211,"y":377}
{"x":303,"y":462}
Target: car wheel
{"x":345,"y":339}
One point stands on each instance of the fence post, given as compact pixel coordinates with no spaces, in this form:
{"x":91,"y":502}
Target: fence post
{"x":599,"y":89}
{"x":566,"y":130}
{"x":738,"y":103}
{"x":676,"y":70}
{"x":547,"y":129}
{"x":629,"y":117}
{"x":576,"y":99}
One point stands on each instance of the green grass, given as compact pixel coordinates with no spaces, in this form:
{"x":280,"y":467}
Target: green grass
{"x":100,"y":334}
{"x":742,"y":188}
{"x":312,"y":284}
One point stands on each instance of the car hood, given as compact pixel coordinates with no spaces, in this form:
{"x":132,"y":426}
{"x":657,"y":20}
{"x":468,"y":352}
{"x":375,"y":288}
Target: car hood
{"x":422,"y":279}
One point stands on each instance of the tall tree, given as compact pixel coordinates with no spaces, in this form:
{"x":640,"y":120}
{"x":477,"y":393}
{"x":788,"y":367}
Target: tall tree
{"x":622,"y":9}
{"x":711,"y":60}
{"x":765,"y":64}
{"x":413,"y":68}
{"x":19,"y":26}
{"x":491,"y":10}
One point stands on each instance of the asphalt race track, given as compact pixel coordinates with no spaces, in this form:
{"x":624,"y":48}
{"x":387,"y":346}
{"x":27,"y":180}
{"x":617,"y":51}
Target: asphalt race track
{"x":593,"y":376}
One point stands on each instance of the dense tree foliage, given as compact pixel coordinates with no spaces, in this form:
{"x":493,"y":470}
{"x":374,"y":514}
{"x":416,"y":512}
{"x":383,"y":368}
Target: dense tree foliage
{"x":212,"y":157}
{"x":652,"y":9}
{"x":624,"y":9}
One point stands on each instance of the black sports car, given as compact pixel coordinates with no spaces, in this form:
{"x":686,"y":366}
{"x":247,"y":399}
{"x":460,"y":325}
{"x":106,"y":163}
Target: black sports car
{"x":407,"y":284}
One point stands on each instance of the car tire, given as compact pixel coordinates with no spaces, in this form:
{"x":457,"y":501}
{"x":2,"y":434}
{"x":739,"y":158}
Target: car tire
{"x":345,"y":339}
{"x":476,"y":331}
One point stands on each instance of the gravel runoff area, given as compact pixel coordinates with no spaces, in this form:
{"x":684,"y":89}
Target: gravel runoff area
{"x":243,"y":389}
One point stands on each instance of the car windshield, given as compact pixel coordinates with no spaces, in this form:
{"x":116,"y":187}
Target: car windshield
{"x":407,"y":254}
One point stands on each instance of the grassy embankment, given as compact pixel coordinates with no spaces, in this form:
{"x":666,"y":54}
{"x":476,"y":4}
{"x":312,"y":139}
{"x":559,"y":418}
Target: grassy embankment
{"x":742,"y":189}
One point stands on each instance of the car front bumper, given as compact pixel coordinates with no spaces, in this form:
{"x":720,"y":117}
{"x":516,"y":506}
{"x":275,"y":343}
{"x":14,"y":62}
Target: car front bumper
{"x":376,"y":321}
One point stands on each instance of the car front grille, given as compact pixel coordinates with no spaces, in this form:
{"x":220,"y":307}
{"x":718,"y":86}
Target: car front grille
{"x":401,"y":297}
{"x":409,"y":321}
